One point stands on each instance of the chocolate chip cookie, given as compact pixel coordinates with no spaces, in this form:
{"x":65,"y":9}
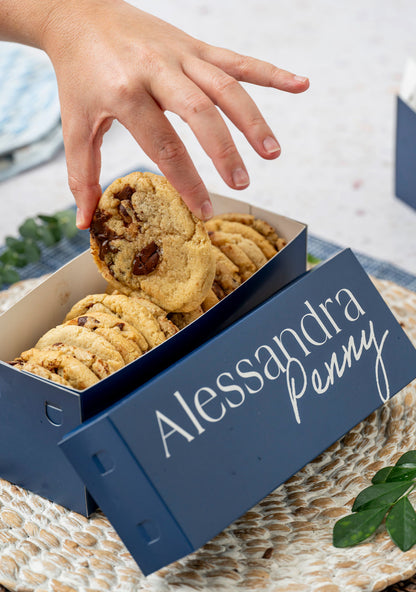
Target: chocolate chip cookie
{"x":183,"y":319}
{"x":100,"y":367}
{"x":145,"y":240}
{"x":121,"y":335}
{"x":234,"y":252}
{"x":127,"y":309}
{"x":160,"y":315}
{"x":243,"y":252}
{"x":38,"y":370}
{"x":84,"y":339}
{"x":227,"y":276}
{"x":257,"y":224}
{"x":74,"y":372}
{"x":219,"y":223}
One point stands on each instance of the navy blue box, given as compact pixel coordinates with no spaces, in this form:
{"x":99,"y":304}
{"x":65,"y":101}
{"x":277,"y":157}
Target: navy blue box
{"x":199,"y":429}
{"x":36,"y":414}
{"x":206,"y":439}
{"x":405,"y":173}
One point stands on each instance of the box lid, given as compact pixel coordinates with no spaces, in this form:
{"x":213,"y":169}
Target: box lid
{"x":179,"y":459}
{"x":405,"y":155}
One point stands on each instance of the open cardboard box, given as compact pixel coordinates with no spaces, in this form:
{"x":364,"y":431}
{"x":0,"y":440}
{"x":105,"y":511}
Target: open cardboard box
{"x":35,"y":414}
{"x":184,"y":440}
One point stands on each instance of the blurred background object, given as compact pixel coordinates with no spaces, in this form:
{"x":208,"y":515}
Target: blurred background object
{"x":30,"y":126}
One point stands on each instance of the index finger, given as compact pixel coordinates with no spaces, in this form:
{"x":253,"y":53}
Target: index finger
{"x":154,"y":133}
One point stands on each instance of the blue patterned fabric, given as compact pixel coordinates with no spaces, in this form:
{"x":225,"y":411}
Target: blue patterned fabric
{"x":377,"y":267}
{"x":30,"y":124}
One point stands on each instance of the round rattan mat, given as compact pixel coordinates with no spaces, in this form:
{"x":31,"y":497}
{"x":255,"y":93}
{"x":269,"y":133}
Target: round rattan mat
{"x":282,"y":544}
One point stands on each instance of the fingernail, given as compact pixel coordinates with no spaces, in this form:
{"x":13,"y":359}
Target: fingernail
{"x":270,"y":145}
{"x":300,"y":78}
{"x":206,"y":210}
{"x":240,"y":177}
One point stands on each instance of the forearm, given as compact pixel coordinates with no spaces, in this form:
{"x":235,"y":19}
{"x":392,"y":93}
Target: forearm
{"x":113,"y":61}
{"x":38,"y":23}
{"x":24,"y":21}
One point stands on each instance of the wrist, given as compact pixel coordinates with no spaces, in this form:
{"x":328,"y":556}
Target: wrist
{"x":24,"y":21}
{"x":47,"y":24}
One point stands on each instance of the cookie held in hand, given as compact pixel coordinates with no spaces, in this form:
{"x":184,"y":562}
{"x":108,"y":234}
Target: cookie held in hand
{"x":146,"y":241}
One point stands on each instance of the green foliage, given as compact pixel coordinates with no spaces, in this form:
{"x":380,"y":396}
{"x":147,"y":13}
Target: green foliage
{"x":312,"y":259}
{"x":387,"y":497}
{"x":34,"y":232}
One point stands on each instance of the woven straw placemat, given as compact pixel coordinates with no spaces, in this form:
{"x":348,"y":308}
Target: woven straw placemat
{"x":283,"y":544}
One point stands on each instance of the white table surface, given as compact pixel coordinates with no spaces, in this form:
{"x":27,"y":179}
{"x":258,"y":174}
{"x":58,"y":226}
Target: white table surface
{"x":336,"y":171}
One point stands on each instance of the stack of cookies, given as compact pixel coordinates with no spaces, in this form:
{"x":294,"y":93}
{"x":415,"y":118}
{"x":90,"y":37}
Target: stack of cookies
{"x":100,"y":334}
{"x":164,"y":269}
{"x":241,"y":244}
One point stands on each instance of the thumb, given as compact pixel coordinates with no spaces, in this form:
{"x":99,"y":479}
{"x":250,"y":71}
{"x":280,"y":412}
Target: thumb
{"x":83,"y":159}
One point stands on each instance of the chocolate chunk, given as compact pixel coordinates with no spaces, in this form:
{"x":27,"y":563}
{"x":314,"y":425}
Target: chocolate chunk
{"x":90,"y":322}
{"x":125,"y":193}
{"x":102,"y":233}
{"x":146,"y":260}
{"x":99,"y":228}
{"x":127,"y":219}
{"x":120,"y":326}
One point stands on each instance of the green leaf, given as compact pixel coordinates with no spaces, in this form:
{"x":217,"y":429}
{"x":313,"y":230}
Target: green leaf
{"x":16,"y":245}
{"x":355,"y":528}
{"x":12,"y":243}
{"x":50,"y":230}
{"x":21,"y":260}
{"x":23,"y":250}
{"x":380,"y":495}
{"x":29,"y":229}
{"x":381,"y":475}
{"x":67,"y":223}
{"x":69,"y":230}
{"x":56,"y":231}
{"x":402,"y":473}
{"x":9,"y":275}
{"x":9,"y":257}
{"x":401,"y":524}
{"x":32,"y":251}
{"x":408,"y":458}
{"x":47,"y":236}
{"x":312,"y":259}
{"x":396,"y":473}
{"x":47,"y":219}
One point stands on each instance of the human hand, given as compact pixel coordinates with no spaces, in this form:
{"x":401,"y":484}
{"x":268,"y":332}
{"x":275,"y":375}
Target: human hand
{"x":114,"y":61}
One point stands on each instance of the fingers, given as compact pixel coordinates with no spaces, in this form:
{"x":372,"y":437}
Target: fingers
{"x":154,"y":133}
{"x":179,"y":94}
{"x":192,"y":87}
{"x":83,"y":158}
{"x":248,"y":69}
{"x":237,"y":105}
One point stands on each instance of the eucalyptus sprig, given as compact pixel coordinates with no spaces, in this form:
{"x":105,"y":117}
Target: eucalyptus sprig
{"x":387,"y":497}
{"x":33,"y":233}
{"x":312,"y":260}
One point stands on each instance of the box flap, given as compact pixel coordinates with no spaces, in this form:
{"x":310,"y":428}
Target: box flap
{"x":405,"y":171}
{"x":197,"y":446}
